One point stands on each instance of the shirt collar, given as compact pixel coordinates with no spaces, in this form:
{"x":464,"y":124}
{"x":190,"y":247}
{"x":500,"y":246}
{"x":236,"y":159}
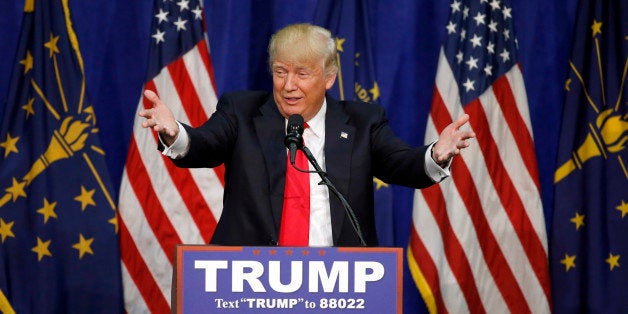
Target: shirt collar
{"x":317,"y":123}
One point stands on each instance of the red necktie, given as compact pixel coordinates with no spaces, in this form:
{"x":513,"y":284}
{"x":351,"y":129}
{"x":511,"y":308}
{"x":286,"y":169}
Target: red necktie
{"x":295,"y":218}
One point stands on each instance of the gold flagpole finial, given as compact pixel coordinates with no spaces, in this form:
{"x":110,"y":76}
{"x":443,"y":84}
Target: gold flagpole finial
{"x":29,"y":6}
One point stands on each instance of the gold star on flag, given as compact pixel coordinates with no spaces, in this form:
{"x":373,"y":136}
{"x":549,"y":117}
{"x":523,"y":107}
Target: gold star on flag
{"x":84,"y":246}
{"x":86,"y":198}
{"x":29,"y":107}
{"x":578,"y":220}
{"x":5,"y":229}
{"x":52,"y":45}
{"x":569,"y":261}
{"x":375,"y":91}
{"x":596,"y":28}
{"x":42,"y":249}
{"x":379,"y":183}
{"x":339,"y":43}
{"x":10,"y":145}
{"x":114,"y":221}
{"x":27,"y":62}
{"x":48,"y":210}
{"x":613,"y":260}
{"x":17,"y":189}
{"x":623,"y":208}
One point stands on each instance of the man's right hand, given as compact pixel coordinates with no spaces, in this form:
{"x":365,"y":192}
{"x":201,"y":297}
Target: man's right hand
{"x":160,"y":119}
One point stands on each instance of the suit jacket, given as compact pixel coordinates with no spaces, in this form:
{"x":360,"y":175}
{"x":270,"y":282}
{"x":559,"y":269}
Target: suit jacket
{"x":247,"y":132}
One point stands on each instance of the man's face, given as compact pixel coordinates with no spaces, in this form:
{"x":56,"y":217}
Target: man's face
{"x":299,"y":87}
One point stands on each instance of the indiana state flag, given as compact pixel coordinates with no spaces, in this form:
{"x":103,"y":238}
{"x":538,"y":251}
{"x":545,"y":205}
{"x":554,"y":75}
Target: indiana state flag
{"x":58,"y":243}
{"x":589,"y":240}
{"x":348,"y":23}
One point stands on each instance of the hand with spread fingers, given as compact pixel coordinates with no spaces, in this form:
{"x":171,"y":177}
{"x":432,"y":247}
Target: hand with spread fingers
{"x":160,"y":119}
{"x":451,"y":141}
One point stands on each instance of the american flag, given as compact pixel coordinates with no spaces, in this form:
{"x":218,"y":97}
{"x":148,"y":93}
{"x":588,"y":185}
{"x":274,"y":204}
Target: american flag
{"x":478,"y":242}
{"x":161,"y":205}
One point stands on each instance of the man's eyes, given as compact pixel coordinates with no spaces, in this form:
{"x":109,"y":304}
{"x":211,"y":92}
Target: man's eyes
{"x":282,"y":73}
{"x":279,"y":72}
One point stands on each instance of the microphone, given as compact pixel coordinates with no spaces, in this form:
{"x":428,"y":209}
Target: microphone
{"x":294,"y":135}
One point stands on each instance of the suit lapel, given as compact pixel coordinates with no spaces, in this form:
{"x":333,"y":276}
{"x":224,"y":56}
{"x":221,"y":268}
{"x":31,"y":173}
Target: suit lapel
{"x":270,"y":130}
{"x":338,"y":149}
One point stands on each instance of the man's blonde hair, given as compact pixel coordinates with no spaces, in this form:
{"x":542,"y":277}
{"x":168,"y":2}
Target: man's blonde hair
{"x":304,"y":42}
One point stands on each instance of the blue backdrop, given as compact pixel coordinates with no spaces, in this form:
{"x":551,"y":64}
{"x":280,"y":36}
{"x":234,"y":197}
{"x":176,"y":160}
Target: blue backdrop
{"x":405,"y":37}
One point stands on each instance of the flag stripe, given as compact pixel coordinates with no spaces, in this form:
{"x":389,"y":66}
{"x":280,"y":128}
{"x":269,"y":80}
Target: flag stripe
{"x":523,"y":139}
{"x":143,"y":280}
{"x":190,"y":193}
{"x":212,"y":191}
{"x":513,"y":163}
{"x":153,"y":211}
{"x":515,"y":252}
{"x":161,"y":204}
{"x":147,"y":252}
{"x":509,"y":243}
{"x":203,"y":54}
{"x":511,"y":200}
{"x":428,"y":272}
{"x":168,"y":201}
{"x":132,"y":293}
{"x":192,"y":198}
{"x":515,"y":78}
{"x":491,"y":205}
{"x":446,"y":285}
{"x":431,"y":229}
{"x":453,"y":250}
{"x":201,"y":78}
{"x":502,"y":275}
{"x":184,"y":87}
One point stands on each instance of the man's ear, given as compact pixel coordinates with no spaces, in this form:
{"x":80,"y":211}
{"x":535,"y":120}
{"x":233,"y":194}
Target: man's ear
{"x":329,"y":81}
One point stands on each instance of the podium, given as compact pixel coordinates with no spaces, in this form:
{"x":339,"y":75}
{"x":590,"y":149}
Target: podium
{"x":226,"y":279}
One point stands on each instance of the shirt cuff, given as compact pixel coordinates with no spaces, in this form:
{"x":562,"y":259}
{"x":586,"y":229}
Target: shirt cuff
{"x":434,"y":171}
{"x":180,"y":147}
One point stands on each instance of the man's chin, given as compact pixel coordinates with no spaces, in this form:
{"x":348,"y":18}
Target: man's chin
{"x":290,"y":110}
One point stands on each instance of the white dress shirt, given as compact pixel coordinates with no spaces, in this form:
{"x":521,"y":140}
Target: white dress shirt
{"x":320,"y":213}
{"x":314,"y":139}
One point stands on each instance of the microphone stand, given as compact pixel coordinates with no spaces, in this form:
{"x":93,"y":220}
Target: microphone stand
{"x":332,"y":188}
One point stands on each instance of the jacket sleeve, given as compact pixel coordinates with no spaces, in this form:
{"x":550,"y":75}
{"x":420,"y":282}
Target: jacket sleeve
{"x":393,"y":160}
{"x":211,"y":143}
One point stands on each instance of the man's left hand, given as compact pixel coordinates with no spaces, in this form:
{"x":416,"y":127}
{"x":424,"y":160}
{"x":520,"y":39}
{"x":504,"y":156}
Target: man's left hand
{"x":451,"y":141}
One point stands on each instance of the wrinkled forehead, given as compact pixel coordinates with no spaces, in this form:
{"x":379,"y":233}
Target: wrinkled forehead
{"x":298,"y":60}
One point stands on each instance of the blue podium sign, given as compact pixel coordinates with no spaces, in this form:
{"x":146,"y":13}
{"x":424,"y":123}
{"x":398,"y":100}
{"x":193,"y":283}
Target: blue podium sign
{"x":219,"y":279}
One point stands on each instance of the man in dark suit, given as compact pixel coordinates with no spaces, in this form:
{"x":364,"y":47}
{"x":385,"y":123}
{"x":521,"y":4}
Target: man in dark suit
{"x":351,"y":140}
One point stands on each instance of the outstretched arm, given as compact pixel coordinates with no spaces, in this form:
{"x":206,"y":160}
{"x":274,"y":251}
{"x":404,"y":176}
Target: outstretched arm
{"x":160,"y":119}
{"x":451,"y":141}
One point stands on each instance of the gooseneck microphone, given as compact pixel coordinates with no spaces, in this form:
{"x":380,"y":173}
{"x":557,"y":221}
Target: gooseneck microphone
{"x":294,"y":135}
{"x":294,"y":141}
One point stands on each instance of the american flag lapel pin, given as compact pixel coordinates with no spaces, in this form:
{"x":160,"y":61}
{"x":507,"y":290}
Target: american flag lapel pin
{"x":344,"y":135}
